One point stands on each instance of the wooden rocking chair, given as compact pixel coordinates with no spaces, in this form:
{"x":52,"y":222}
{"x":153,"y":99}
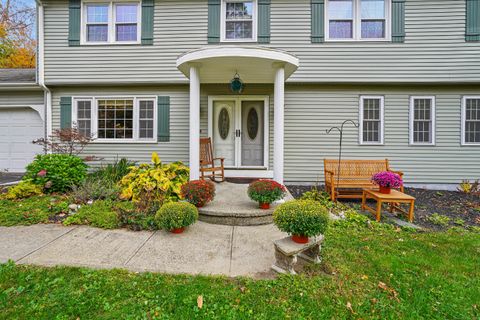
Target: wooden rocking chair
{"x":207,"y":162}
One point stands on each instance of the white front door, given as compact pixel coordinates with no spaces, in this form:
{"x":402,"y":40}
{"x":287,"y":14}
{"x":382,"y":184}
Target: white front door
{"x":224,"y":131}
{"x":252,"y":133}
{"x":238,"y":128}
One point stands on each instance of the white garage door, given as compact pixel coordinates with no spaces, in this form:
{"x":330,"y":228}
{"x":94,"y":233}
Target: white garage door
{"x":18,"y":128}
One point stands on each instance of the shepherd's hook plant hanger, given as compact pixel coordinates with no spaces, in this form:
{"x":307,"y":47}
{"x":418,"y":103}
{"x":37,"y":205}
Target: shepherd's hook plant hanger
{"x":340,"y":129}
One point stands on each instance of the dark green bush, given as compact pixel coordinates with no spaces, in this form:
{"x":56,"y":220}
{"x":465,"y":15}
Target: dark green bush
{"x":56,"y":172}
{"x":301,"y":217}
{"x":176,"y":215}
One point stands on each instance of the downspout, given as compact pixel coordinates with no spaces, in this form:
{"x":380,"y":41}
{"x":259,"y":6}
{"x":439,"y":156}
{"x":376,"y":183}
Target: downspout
{"x":41,"y":68}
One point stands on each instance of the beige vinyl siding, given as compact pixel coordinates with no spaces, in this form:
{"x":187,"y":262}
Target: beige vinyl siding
{"x":311,"y":110}
{"x":175,"y":150}
{"x":434,"y":50}
{"x":21,"y":98}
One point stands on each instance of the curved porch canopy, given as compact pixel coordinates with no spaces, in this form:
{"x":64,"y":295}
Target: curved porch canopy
{"x":253,"y":64}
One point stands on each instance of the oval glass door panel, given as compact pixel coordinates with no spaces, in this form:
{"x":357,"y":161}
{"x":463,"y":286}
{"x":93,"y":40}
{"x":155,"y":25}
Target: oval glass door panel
{"x":252,"y":123}
{"x":223,"y":131}
{"x":223,"y":123}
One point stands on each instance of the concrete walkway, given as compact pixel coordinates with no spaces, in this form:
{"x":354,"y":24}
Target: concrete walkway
{"x":201,"y":249}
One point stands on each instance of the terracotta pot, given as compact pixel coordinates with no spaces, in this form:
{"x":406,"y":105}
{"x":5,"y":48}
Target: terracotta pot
{"x":178,"y":230}
{"x":385,"y":190}
{"x":299,"y":239}
{"x":264,"y":206}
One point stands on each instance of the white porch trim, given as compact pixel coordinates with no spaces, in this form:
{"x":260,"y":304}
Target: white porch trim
{"x":255,"y":65}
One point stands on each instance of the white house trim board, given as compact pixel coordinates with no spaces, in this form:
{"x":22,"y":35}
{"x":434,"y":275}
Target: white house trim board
{"x":238,"y":101}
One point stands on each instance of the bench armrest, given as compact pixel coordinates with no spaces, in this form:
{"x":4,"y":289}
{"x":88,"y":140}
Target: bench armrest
{"x":329,"y":172}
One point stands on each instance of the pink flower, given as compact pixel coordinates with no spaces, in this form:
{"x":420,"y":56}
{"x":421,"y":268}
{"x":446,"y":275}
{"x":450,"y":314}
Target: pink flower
{"x":42,"y":173}
{"x":387,"y":179}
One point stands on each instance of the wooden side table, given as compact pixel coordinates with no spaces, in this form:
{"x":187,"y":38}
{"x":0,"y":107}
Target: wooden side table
{"x":393,"y":198}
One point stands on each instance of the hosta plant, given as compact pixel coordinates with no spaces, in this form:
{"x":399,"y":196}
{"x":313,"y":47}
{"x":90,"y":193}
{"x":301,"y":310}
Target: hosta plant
{"x":150,"y":185}
{"x":176,"y":216}
{"x":305,"y":218}
{"x":266,"y":191}
{"x":198,"y":192}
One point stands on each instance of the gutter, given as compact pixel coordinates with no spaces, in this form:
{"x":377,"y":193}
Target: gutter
{"x":41,"y":68}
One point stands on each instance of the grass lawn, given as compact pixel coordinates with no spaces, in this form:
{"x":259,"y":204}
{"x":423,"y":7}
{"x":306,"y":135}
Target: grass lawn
{"x":373,"y":272}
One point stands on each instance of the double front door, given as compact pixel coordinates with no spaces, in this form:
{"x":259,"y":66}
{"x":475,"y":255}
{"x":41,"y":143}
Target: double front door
{"x":239,"y":129}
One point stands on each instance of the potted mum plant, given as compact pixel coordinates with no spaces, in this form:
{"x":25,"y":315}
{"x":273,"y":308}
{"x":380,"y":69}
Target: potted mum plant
{"x":387,"y":180}
{"x":301,"y":219}
{"x":198,"y":192}
{"x":175,"y":216}
{"x":265,"y":192}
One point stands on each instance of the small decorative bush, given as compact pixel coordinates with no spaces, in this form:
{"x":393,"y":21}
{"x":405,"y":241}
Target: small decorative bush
{"x":387,"y":179}
{"x":24,"y":189}
{"x":101,"y":214}
{"x":56,"y":172}
{"x":266,"y":191}
{"x":149,"y":186}
{"x":301,"y":217}
{"x":176,"y":215}
{"x":134,"y":219}
{"x":469,"y":187}
{"x":94,"y":188}
{"x":198,"y":192}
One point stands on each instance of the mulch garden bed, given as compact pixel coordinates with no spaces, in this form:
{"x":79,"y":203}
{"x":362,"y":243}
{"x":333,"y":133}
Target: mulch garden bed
{"x":434,"y":209}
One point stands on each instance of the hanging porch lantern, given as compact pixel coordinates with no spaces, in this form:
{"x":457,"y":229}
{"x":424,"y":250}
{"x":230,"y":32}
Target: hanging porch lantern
{"x":236,"y":84}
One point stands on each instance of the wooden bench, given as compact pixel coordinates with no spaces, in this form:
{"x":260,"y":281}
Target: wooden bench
{"x":355,"y":175}
{"x":287,"y":251}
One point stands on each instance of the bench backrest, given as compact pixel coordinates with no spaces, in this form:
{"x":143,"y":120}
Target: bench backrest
{"x":356,"y":168}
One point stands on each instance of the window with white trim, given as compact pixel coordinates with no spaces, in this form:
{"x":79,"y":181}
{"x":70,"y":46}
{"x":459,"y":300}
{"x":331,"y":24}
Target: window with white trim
{"x":471,"y":120}
{"x":371,"y":120}
{"x":111,"y":22}
{"x":357,"y":19}
{"x":239,"y":20}
{"x":116,"y":119}
{"x":422,"y":120}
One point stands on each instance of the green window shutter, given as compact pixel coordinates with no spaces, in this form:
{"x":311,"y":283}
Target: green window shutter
{"x":214,"y":21}
{"x":472,"y":20}
{"x":263,"y":21}
{"x":65,"y":112}
{"x":148,"y":10}
{"x":163,"y":119}
{"x":318,"y":21}
{"x":398,"y":20}
{"x":74,"y":22}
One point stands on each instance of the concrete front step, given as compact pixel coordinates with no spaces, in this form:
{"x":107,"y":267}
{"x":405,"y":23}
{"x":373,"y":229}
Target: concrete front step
{"x":232,"y":207}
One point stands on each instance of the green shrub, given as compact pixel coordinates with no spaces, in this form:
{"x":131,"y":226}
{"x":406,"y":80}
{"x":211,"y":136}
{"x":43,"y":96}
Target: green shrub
{"x":99,"y":214}
{"x":176,"y":215}
{"x":93,"y":188}
{"x":439,"y":220}
{"x":56,"y":172}
{"x":149,"y":186}
{"x":266,"y":191}
{"x":134,"y":219}
{"x":324,"y":199}
{"x":24,"y":189}
{"x":301,"y":217}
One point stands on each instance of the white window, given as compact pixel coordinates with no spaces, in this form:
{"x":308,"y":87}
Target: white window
{"x":116,"y":119}
{"x":239,"y":20}
{"x":371,"y":120}
{"x":422,"y":120}
{"x":357,"y":20}
{"x":471,"y":121}
{"x":111,"y":22}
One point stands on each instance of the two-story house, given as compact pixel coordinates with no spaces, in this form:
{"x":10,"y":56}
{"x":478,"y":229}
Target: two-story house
{"x":265,"y":79}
